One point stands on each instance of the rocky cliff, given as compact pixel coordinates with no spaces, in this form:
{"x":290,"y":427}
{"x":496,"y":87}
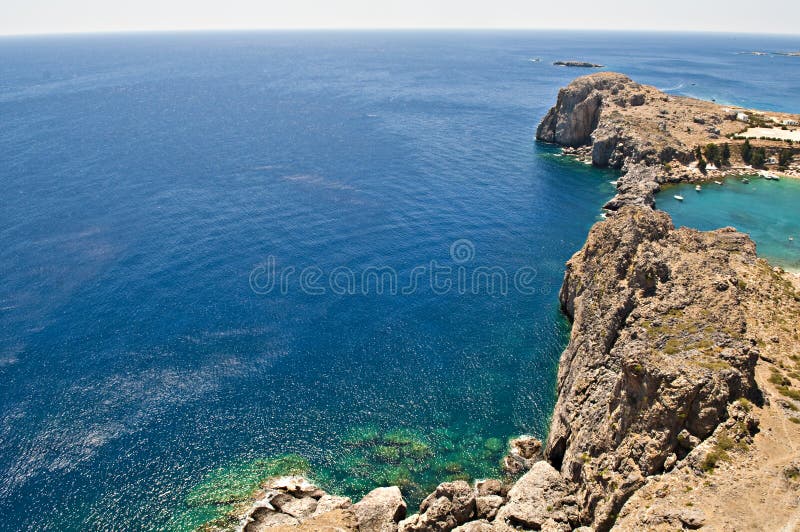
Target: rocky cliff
{"x":684,"y":346}
{"x":657,"y":354}
{"x":610,"y":120}
{"x":668,"y":325}
{"x":606,"y":114}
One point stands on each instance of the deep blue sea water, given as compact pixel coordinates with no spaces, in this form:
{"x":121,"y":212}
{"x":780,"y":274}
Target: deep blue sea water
{"x":145,"y":178}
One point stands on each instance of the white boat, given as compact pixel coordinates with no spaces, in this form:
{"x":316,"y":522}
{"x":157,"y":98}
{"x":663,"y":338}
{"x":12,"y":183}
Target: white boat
{"x":745,"y":180}
{"x":677,"y":197}
{"x":698,"y":188}
{"x":719,"y":182}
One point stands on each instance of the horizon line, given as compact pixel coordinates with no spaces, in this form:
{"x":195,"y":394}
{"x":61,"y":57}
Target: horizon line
{"x":109,"y":32}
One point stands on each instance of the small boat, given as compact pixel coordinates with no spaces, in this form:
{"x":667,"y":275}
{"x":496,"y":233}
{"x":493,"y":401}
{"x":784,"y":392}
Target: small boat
{"x":791,"y":239}
{"x":677,"y":197}
{"x":614,"y":182}
{"x":698,"y":188}
{"x":745,"y":180}
{"x":719,"y":182}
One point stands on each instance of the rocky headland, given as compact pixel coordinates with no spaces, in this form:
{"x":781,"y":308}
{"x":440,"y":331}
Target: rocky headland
{"x":611,"y":121}
{"x":679,"y":390}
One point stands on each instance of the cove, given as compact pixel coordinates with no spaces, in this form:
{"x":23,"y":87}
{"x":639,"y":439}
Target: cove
{"x":767,"y":210}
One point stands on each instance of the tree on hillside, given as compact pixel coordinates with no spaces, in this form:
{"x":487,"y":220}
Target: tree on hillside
{"x":747,"y":151}
{"x":701,"y":163}
{"x":726,"y":154}
{"x":714,"y":154}
{"x":758,"y":157}
{"x":785,"y":158}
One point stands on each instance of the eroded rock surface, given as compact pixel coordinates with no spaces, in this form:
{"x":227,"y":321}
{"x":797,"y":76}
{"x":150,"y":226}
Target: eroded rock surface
{"x":621,"y":121}
{"x":523,"y":452}
{"x":380,"y":510}
{"x":658,"y":348}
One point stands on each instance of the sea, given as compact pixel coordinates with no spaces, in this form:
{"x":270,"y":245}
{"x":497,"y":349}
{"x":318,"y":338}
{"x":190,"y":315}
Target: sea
{"x":228,"y":255}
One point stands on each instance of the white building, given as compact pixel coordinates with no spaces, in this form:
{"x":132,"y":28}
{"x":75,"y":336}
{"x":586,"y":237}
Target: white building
{"x":791,"y":122}
{"x":742,"y":117}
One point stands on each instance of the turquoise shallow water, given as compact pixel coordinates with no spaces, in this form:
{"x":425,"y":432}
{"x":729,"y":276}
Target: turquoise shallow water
{"x":146,"y":177}
{"x":769,"y":211}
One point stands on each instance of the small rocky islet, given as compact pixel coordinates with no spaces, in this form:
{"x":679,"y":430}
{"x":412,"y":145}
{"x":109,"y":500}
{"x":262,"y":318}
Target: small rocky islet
{"x":679,"y":390}
{"x":577,"y":64}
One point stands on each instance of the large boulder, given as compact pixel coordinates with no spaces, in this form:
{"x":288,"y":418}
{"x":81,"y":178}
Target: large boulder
{"x":475,"y":526}
{"x":540,"y":500}
{"x":333,"y":521}
{"x":380,"y":510}
{"x":328,"y":503}
{"x":523,"y":452}
{"x":452,"y":504}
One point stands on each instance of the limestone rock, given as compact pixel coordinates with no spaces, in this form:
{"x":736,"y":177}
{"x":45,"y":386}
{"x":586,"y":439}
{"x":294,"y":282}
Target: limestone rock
{"x":624,"y":122}
{"x":296,"y":485}
{"x":263,"y":519}
{"x":639,"y":381}
{"x":575,"y":116}
{"x":489,"y":486}
{"x":299,"y":508}
{"x":328,"y":503}
{"x":523,"y":452}
{"x":333,"y":521}
{"x":475,"y":526}
{"x":486,"y":506}
{"x":638,"y":186}
{"x":452,"y":504}
{"x":542,"y":499}
{"x":380,"y":510}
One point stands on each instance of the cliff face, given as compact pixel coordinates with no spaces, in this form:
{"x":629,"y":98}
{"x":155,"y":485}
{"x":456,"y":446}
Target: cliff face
{"x":606,"y":112}
{"x":658,"y":352}
{"x":577,"y":112}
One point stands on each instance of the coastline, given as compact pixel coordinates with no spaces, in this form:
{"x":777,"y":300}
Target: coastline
{"x":666,"y":380}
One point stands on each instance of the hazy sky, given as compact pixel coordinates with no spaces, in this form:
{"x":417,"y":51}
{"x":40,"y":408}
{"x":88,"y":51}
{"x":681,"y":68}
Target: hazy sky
{"x":59,"y":16}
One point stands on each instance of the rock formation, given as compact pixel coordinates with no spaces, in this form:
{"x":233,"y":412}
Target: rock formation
{"x":611,"y":120}
{"x":606,"y":113}
{"x":644,"y":364}
{"x":579,"y":64}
